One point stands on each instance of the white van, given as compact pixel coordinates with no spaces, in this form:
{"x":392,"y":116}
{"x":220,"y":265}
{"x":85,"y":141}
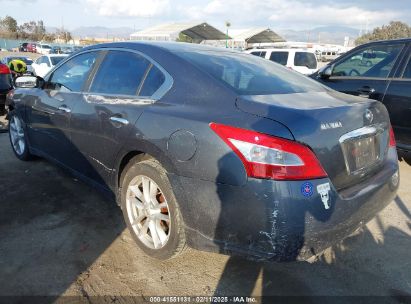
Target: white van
{"x":300,"y":60}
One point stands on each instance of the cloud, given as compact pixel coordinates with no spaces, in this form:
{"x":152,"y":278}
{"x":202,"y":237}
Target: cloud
{"x":294,"y":13}
{"x":131,"y":8}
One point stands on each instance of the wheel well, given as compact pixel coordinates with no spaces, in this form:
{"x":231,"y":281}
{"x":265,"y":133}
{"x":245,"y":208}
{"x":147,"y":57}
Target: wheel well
{"x":127,"y":158}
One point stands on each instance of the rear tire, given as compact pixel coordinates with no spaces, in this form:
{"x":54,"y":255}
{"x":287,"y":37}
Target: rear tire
{"x":150,"y":209}
{"x":18,"y":137}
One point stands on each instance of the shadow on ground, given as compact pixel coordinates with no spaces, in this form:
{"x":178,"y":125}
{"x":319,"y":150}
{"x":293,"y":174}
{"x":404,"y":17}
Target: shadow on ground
{"x":60,"y":237}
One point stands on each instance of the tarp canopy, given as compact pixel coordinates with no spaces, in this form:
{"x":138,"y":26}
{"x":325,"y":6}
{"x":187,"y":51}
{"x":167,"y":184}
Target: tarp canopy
{"x":257,"y":35}
{"x":196,"y":31}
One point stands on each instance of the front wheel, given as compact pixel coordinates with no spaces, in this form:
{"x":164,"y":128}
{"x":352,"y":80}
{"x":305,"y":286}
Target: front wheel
{"x":151,"y":211}
{"x":18,"y":138}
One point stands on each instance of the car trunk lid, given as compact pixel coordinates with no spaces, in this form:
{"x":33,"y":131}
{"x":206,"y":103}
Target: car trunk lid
{"x":349,"y":135}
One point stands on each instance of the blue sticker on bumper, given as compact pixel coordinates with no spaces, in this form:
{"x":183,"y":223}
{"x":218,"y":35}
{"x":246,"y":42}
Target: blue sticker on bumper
{"x":307,"y":189}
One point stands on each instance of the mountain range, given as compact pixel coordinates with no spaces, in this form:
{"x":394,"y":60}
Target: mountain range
{"x":325,"y":34}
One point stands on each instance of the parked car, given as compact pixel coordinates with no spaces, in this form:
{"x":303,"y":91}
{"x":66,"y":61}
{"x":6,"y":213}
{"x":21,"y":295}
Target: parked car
{"x":377,"y":70}
{"x":211,"y":148}
{"x":23,"y":47}
{"x":329,"y":55}
{"x":45,"y":63}
{"x":6,"y":84}
{"x":43,"y":49}
{"x":300,"y":60}
{"x":32,"y":47}
{"x":55,"y":50}
{"x":27,"y":60}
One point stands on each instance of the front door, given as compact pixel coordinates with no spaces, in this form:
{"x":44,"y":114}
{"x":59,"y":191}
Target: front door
{"x":365,"y":72}
{"x":50,"y":111}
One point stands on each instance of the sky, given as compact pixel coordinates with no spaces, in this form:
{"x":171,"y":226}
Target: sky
{"x":276,"y":14}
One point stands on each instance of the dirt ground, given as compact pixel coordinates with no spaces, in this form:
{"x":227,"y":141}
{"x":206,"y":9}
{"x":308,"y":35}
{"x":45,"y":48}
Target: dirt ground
{"x":26,"y":54}
{"x":59,"y":237}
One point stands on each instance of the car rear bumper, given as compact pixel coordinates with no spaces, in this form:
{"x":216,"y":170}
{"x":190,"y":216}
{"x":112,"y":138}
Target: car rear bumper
{"x":268,"y":219}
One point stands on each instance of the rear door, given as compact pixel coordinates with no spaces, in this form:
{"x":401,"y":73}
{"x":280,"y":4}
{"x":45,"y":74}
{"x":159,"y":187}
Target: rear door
{"x":366,"y":72}
{"x":123,"y":86}
{"x":398,"y":102}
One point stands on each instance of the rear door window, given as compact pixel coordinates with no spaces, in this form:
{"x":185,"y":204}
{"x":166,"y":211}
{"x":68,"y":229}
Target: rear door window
{"x":305,"y":59}
{"x":120,"y":73}
{"x":155,"y":78}
{"x":279,"y":57}
{"x":407,"y":71}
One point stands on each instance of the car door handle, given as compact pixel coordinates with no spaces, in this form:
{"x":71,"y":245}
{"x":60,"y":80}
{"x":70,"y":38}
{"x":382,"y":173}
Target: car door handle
{"x":366,"y":91}
{"x":64,"y":109}
{"x":118,"y":120}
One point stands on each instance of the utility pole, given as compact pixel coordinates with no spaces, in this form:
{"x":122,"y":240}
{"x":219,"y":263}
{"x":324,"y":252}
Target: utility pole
{"x":227,"y":25}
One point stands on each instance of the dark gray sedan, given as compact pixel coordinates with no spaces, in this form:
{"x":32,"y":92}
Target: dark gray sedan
{"x":211,"y":148}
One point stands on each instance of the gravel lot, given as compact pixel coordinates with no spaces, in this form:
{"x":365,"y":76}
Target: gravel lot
{"x":60,"y":237}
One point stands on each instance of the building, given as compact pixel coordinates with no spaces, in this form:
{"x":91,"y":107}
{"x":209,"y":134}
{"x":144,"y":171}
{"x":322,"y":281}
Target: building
{"x":197,"y":32}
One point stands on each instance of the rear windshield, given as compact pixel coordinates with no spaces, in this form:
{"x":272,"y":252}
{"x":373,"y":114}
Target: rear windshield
{"x":55,"y":60}
{"x":279,"y":57}
{"x":250,"y":75}
{"x":305,"y":59}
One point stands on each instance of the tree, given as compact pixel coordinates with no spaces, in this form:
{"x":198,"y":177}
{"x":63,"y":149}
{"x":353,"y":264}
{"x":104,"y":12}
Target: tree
{"x":64,"y":35}
{"x":8,"y":27}
{"x":9,"y":24}
{"x":184,"y":38}
{"x":395,"y":30}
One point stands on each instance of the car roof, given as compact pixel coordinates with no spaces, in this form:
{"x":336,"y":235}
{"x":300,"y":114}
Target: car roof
{"x":282,"y":50}
{"x":173,"y":47}
{"x":56,"y":55}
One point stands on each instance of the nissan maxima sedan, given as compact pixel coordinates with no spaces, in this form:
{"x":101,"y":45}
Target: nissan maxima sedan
{"x":210,"y":148}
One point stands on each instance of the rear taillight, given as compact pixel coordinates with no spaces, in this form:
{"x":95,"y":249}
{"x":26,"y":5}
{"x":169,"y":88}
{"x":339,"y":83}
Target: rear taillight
{"x":270,"y":157}
{"x":392,"y":138}
{"x":4,"y":69}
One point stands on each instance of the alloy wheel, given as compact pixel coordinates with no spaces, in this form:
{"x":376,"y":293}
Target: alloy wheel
{"x":17,"y":135}
{"x":148,"y":212}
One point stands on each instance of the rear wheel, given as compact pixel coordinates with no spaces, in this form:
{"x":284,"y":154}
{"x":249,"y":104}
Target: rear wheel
{"x":18,"y":138}
{"x":151,"y":211}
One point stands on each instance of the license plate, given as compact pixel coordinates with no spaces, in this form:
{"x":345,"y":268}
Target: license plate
{"x":364,"y":152}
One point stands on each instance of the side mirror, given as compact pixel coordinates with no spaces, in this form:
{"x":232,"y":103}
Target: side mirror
{"x":28,"y":82}
{"x":326,"y":72}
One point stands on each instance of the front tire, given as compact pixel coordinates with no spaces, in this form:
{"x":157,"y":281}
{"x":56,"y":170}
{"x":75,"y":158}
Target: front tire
{"x":150,"y":209}
{"x":18,"y":137}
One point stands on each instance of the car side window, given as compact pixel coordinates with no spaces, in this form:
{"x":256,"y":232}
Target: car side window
{"x":279,"y":57}
{"x":305,"y":59}
{"x":155,"y":78}
{"x":407,"y":71}
{"x":47,"y":61}
{"x":73,"y":74}
{"x":374,"y":61}
{"x":120,"y":73}
{"x":259,"y":53}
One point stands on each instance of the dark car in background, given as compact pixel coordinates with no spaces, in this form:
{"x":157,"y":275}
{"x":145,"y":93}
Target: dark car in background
{"x":23,"y":47}
{"x":56,"y":50}
{"x":378,"y":70}
{"x":211,"y":148}
{"x":6,"y":84}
